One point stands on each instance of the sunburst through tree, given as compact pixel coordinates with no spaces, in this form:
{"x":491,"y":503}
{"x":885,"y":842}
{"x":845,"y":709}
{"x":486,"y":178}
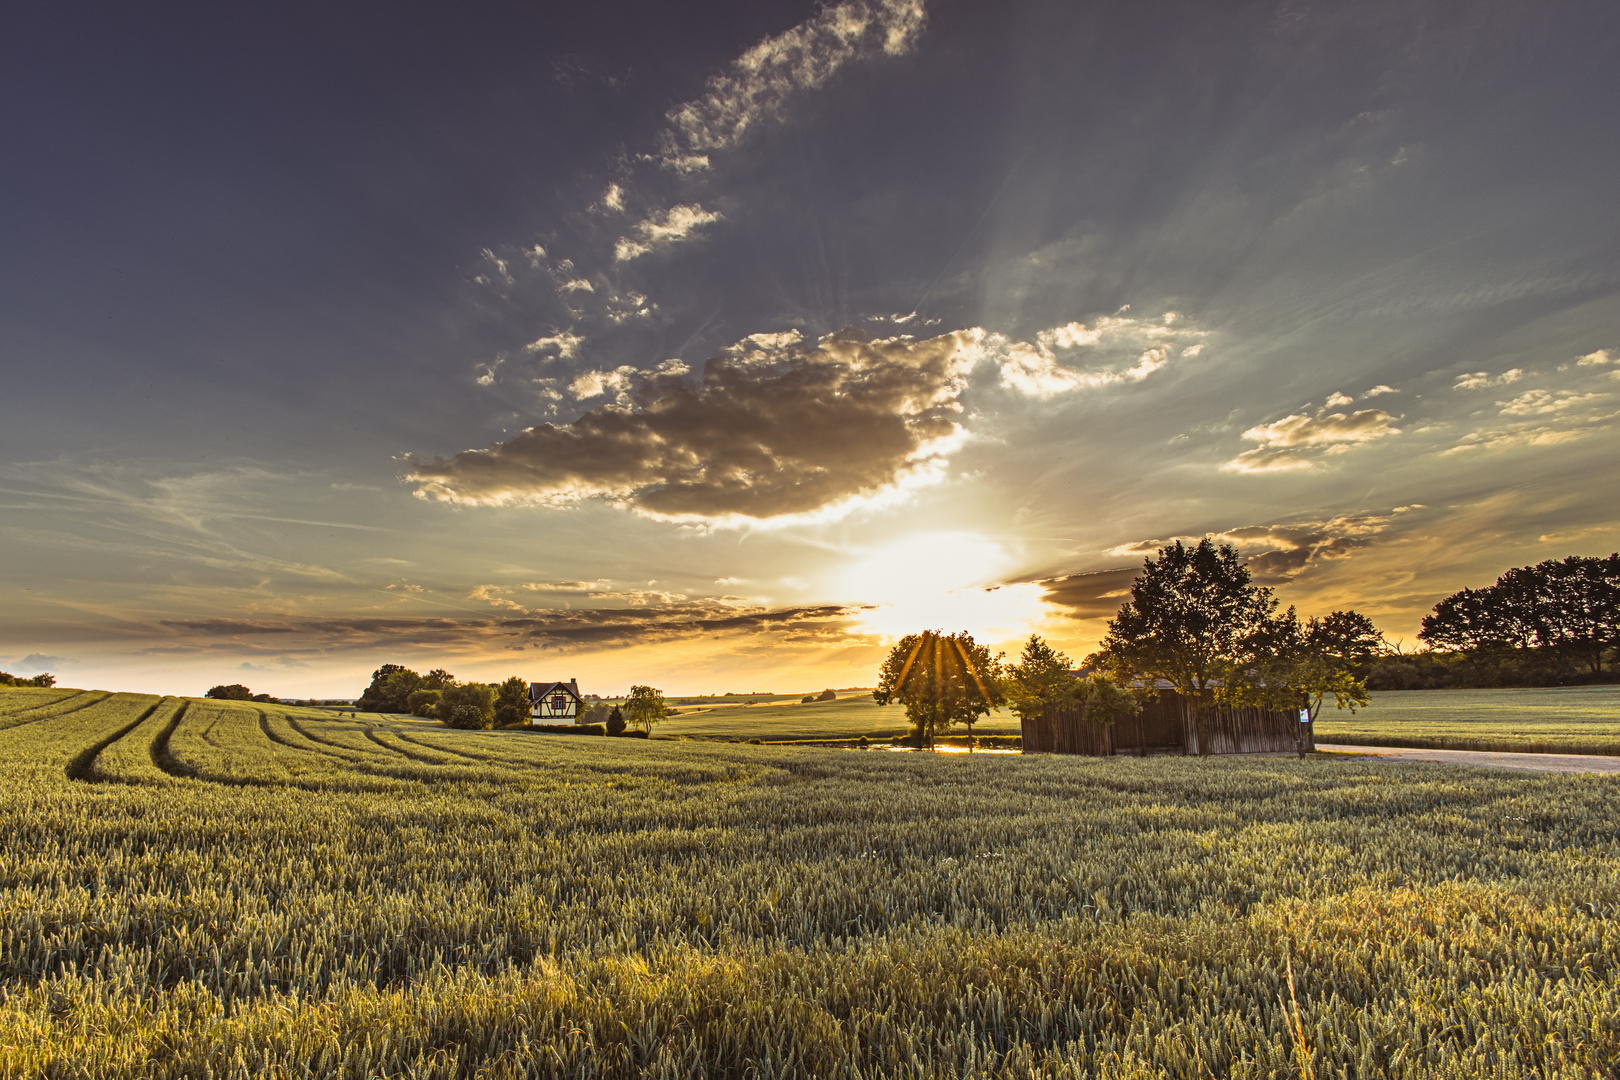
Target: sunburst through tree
{"x":942,"y":680}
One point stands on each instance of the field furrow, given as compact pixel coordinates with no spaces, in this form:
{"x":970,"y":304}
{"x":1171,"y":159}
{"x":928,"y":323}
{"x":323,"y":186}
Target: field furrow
{"x":72,"y":701}
{"x":138,"y":756}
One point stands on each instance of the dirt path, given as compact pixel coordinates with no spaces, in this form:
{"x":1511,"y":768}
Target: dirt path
{"x":1488,"y":758}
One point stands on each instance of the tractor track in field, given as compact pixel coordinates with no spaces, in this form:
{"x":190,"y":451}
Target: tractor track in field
{"x":79,"y":767}
{"x":456,"y":753}
{"x":162,"y":759}
{"x":351,"y":752}
{"x":412,"y":755}
{"x":52,"y":710}
{"x":280,"y":740}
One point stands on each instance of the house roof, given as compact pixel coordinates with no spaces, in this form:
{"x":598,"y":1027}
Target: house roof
{"x":539,"y":690}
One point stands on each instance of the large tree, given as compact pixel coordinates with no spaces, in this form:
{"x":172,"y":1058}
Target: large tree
{"x":645,"y":707}
{"x":1196,"y":620}
{"x":941,"y":679}
{"x":468,"y":705}
{"x":512,"y":705}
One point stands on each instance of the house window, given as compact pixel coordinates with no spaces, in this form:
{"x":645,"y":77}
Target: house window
{"x":559,"y":703}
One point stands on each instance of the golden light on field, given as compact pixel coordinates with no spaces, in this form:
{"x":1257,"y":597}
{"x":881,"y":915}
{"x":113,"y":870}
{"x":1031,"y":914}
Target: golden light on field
{"x":939,"y":580}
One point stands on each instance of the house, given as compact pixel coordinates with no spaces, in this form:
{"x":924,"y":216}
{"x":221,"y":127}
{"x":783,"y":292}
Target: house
{"x":554,"y":702}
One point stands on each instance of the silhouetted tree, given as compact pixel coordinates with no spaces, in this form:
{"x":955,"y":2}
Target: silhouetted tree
{"x":941,"y":679}
{"x":615,"y":722}
{"x":1195,"y":619}
{"x":232,"y":692}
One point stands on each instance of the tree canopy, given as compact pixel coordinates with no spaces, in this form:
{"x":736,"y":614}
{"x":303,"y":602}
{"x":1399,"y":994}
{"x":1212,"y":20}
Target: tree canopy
{"x":942,"y":680}
{"x":1042,"y":677}
{"x":1568,"y":607}
{"x":645,"y":707}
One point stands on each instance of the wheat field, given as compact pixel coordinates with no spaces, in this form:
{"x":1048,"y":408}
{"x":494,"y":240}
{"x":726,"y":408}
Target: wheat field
{"x":196,"y":888}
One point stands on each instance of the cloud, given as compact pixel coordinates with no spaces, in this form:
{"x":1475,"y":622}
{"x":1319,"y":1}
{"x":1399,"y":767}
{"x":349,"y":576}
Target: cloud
{"x":1296,"y":440}
{"x":594,"y":627}
{"x":663,"y":229}
{"x":1380,"y":390}
{"x":1479,"y":380}
{"x":758,"y":85}
{"x":1597,"y":359}
{"x":1037,"y":369}
{"x":37,"y":662}
{"x":563,"y":343}
{"x":1097,"y":595}
{"x":1337,"y":398}
{"x":1281,"y":552}
{"x":776,"y":428}
{"x":1546,"y":402}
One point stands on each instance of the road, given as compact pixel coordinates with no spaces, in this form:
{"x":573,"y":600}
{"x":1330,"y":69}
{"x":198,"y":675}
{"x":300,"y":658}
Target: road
{"x":1488,"y":759}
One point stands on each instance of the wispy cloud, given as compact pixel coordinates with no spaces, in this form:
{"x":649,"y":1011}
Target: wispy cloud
{"x":1480,"y":380}
{"x":760,"y":83}
{"x":1299,"y":439}
{"x":662,"y":230}
{"x":1046,"y":367}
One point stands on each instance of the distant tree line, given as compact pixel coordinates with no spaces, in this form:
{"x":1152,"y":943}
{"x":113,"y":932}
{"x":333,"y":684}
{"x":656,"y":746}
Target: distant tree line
{"x":439,"y":695}
{"x":237,"y":692}
{"x":42,"y":679}
{"x":1554,"y":623}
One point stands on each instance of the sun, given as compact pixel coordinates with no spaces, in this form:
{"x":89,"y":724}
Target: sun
{"x":942,"y":580}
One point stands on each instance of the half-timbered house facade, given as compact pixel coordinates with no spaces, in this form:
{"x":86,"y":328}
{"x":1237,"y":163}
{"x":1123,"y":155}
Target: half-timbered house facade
{"x":554,"y":702}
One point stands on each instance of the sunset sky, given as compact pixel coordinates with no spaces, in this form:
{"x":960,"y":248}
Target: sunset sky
{"x":715,"y":345}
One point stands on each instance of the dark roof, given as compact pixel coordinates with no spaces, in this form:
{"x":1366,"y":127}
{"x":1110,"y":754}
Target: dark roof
{"x":539,"y":690}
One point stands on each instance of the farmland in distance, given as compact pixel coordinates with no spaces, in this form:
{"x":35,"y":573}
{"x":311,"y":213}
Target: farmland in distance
{"x":199,"y":888}
{"x":1538,"y":720}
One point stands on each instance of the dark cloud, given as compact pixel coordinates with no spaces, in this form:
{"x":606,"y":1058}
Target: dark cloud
{"x":1096,"y":595}
{"x":775,"y":427}
{"x":599,"y":627}
{"x":1278,"y":553}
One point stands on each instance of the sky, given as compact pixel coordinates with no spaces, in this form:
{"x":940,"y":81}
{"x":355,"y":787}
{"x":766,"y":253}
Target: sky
{"x":713,"y":346}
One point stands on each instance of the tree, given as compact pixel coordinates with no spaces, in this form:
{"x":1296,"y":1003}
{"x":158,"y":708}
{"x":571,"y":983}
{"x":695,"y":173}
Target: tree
{"x":1041,"y":678}
{"x":424,"y":702}
{"x":1349,"y":637}
{"x":645,"y":707}
{"x":390,"y":690}
{"x":512,"y":703}
{"x":615,"y":722}
{"x":1195,"y":620}
{"x":1103,"y":702}
{"x":233,"y":692}
{"x":468,"y":705}
{"x":941,"y":679}
{"x":1570,"y":608}
{"x":1299,"y":667}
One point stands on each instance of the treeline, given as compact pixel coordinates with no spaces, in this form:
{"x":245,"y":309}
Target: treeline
{"x":42,"y":679}
{"x":439,"y":695}
{"x":238,"y":692}
{"x":1556,"y":623}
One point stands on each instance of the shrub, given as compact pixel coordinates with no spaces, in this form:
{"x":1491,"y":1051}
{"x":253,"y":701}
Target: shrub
{"x":615,"y":722}
{"x":638,"y":733}
{"x":567,"y":729}
{"x":232,"y":692}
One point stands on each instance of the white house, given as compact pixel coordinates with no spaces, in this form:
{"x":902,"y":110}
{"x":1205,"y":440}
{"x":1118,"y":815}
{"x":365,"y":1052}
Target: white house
{"x":554,"y":702}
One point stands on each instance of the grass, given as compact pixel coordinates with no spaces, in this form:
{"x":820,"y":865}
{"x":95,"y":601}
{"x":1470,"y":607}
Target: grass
{"x":198,"y":889}
{"x":1556,"y":720}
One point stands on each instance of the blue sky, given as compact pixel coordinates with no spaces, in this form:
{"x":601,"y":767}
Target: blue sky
{"x":714,"y":345}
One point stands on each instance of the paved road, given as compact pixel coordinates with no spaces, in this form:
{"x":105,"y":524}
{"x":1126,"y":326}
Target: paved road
{"x":1489,"y":759}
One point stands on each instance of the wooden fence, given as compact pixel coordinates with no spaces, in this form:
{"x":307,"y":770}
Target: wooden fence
{"x":1166,"y":725}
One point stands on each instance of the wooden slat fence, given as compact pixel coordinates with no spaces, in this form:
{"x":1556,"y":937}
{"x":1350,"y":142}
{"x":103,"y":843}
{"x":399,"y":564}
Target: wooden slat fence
{"x":1166,"y":725}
